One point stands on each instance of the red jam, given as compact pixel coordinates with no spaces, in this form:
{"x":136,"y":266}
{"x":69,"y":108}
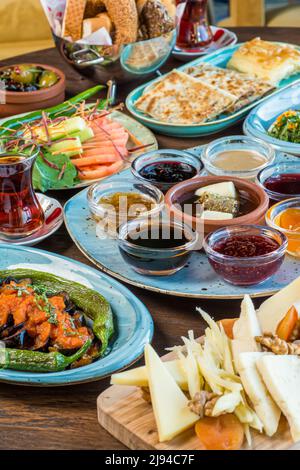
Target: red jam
{"x":246,"y":247}
{"x":246,"y":272}
{"x":286,"y":183}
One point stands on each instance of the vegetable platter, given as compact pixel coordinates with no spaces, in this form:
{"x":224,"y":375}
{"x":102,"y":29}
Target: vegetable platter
{"x":79,"y":143}
{"x":77,"y":327}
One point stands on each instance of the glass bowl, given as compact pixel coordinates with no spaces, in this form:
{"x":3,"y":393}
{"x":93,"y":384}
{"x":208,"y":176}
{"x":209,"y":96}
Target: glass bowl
{"x":149,"y":259}
{"x":234,"y":143}
{"x":291,"y":169}
{"x":163,"y":156}
{"x":110,"y":217}
{"x":248,"y":270}
{"x":273,"y":220}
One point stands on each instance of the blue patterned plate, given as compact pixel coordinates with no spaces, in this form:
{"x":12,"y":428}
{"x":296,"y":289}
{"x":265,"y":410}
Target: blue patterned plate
{"x":220,"y":59}
{"x":262,"y":117}
{"x":196,"y":280}
{"x":134,"y":326}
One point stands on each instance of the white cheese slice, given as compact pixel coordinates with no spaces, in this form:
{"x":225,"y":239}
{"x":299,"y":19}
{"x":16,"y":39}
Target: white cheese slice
{"x":247,"y":326}
{"x":244,"y":331}
{"x":216,"y":215}
{"x":226,"y":189}
{"x":170,"y":405}
{"x":281,"y":375}
{"x":265,"y":407}
{"x":272,"y":311}
{"x":138,"y":377}
{"x":239,"y":346}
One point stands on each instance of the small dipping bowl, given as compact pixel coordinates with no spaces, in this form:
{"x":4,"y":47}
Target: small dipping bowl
{"x":109,"y":217}
{"x":214,"y":156}
{"x":182,"y":165}
{"x":281,"y":181}
{"x":273,"y":217}
{"x":147,"y":252}
{"x":245,"y":270}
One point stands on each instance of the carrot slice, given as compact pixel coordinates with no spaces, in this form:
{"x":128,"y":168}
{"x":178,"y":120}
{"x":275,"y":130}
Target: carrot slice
{"x":100,"y":160}
{"x":287,"y":324}
{"x":227,"y":324}
{"x":100,"y":172}
{"x":222,"y":433}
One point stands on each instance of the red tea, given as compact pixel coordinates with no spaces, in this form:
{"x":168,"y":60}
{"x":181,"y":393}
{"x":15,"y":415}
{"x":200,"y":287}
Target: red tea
{"x":20,"y":210}
{"x":194,"y":31}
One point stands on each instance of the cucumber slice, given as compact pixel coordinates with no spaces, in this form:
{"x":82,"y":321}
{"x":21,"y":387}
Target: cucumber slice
{"x":86,"y":134}
{"x":67,"y":147}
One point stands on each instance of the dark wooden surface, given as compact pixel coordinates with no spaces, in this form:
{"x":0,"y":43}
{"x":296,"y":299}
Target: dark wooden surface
{"x":65,"y":418}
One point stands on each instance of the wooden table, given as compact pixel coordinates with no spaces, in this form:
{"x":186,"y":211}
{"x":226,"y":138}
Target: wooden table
{"x":65,"y":418}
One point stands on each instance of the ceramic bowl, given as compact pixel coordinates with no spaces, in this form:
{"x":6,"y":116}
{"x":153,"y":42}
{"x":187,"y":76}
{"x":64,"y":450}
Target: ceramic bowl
{"x":183,"y":191}
{"x":14,"y":102}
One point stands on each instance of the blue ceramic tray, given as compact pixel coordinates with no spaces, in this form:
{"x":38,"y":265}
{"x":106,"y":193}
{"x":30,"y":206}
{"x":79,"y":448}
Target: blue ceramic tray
{"x":134,"y":326}
{"x":262,"y":117}
{"x":220,"y":59}
{"x":196,"y":280}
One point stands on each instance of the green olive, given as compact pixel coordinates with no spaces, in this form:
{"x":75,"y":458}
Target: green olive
{"x":24,"y":73}
{"x":47,"y":79}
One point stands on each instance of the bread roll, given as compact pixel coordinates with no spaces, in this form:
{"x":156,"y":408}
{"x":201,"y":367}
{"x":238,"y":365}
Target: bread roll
{"x":91,"y":25}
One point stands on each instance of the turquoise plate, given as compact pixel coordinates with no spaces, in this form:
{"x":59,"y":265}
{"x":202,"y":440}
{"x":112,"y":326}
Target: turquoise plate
{"x":264,"y":115}
{"x":220,"y":59}
{"x":196,"y":280}
{"x":134,"y":326}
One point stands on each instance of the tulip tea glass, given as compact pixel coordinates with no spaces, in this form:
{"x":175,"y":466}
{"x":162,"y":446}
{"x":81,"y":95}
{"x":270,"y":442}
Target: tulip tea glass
{"x":20,"y":211}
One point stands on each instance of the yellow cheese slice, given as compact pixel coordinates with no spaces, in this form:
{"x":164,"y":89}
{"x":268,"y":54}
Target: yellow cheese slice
{"x":138,"y":377}
{"x":170,"y":405}
{"x":272,"y":311}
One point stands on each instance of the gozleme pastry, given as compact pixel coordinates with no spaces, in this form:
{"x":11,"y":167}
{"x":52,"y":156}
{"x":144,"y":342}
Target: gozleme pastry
{"x":179,"y":98}
{"x":246,"y":89}
{"x":265,"y":60}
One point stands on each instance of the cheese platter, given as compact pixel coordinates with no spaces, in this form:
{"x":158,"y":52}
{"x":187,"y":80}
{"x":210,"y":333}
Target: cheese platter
{"x":234,"y":388}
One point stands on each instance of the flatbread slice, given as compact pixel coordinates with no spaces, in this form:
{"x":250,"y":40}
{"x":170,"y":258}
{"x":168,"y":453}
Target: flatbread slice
{"x":179,"y":98}
{"x":246,"y":89}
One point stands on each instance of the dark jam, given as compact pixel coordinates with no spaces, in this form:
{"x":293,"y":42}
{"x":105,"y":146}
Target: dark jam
{"x":168,"y":172}
{"x":156,"y":260}
{"x":286,"y":184}
{"x":250,"y":272}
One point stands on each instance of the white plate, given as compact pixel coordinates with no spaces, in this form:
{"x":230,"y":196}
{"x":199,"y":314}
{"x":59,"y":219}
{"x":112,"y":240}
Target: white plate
{"x":54,"y":218}
{"x":221,"y":38}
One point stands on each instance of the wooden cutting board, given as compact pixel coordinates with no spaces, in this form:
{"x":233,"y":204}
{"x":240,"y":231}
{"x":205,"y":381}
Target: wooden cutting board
{"x":124,"y":413}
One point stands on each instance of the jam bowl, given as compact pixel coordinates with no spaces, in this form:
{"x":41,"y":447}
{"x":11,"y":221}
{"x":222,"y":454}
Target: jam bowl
{"x":238,"y":156}
{"x":114,"y":203}
{"x":180,"y":202}
{"x":281,"y":180}
{"x":285,"y":217}
{"x":167,"y":167}
{"x":245,"y":255}
{"x":158,"y":248}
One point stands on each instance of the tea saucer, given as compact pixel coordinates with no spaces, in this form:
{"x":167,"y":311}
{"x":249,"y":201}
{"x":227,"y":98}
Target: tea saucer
{"x":221,"y":38}
{"x":53,"y":213}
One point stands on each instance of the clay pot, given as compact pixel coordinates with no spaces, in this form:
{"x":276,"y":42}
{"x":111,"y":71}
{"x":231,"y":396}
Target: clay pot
{"x":183,"y":191}
{"x":23,"y":102}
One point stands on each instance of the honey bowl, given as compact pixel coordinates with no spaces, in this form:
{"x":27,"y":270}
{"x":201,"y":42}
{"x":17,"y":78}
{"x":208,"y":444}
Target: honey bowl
{"x":285,"y":217}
